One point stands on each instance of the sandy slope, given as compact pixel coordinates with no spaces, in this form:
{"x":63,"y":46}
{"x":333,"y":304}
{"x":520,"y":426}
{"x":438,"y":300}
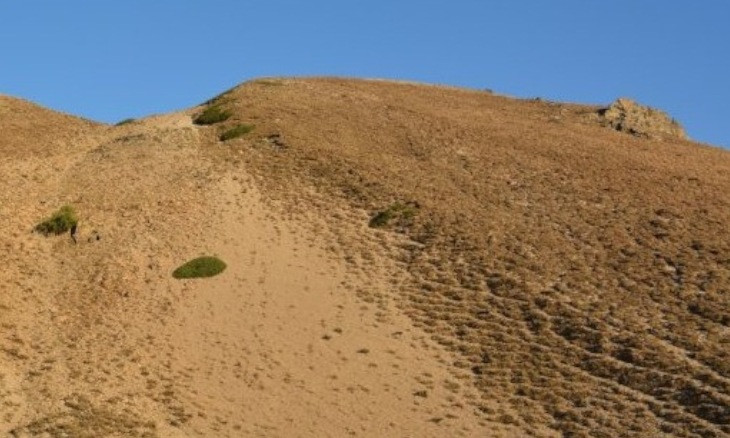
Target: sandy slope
{"x":101,"y":341}
{"x":556,"y":278}
{"x":280,"y":345}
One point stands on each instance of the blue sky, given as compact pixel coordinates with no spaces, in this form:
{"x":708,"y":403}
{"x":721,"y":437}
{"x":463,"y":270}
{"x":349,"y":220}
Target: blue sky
{"x":108,"y":60}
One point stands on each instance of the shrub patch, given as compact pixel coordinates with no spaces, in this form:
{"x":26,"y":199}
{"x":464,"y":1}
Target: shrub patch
{"x":397,"y":211}
{"x":200,"y":268}
{"x":211,"y":115}
{"x":125,"y":122}
{"x":236,"y":132}
{"x":59,"y":223}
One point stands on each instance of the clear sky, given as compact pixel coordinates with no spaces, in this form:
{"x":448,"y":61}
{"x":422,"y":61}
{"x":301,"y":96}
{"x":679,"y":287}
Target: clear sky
{"x":108,"y":60}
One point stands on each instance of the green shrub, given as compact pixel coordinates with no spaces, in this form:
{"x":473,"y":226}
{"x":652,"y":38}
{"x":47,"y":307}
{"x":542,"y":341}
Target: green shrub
{"x":381,"y":219}
{"x":125,"y":122}
{"x":236,"y":132}
{"x":59,"y":223}
{"x":200,"y":268}
{"x":399,"y":211}
{"x":213,"y":114}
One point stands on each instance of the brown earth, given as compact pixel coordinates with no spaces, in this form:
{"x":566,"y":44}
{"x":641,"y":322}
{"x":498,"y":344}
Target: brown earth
{"x":531,"y":272}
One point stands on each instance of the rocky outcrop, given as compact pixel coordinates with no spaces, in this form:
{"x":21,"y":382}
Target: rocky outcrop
{"x":631,"y":117}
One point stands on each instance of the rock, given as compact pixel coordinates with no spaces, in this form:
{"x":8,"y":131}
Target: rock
{"x":628,"y":116}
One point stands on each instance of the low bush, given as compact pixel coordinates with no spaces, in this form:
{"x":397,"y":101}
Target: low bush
{"x":381,"y":219}
{"x":236,"y":132}
{"x":200,"y":268}
{"x":397,"y":211}
{"x":213,"y":114}
{"x":125,"y":122}
{"x":60,"y":222}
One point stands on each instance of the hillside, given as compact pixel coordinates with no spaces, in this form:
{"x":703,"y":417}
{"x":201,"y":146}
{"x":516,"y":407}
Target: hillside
{"x":403,"y":260}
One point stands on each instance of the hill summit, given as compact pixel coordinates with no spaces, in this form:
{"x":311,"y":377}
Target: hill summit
{"x":400,"y":260}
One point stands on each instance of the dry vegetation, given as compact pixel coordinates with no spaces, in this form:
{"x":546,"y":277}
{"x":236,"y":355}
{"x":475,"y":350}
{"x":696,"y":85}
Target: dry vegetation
{"x":578,"y":277}
{"x":581,"y":273}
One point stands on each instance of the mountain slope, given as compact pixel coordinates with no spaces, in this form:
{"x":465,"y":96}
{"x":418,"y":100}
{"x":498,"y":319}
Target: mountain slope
{"x":531,"y":271}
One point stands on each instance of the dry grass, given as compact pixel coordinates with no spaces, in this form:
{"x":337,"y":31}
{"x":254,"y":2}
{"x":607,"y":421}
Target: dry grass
{"x":236,"y":131}
{"x":397,"y":212}
{"x":571,"y":266}
{"x":579,"y":275}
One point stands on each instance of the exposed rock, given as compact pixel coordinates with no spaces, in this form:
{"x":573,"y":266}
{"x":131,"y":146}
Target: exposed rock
{"x":629,"y":116}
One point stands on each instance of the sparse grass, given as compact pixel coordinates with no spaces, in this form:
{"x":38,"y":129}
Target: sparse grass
{"x":213,"y":114}
{"x":60,"y":222}
{"x":236,"y":131}
{"x":495,"y":264}
{"x":200,"y":268}
{"x":397,"y":211}
{"x":220,"y":98}
{"x":269,"y":82}
{"x":381,"y":219}
{"x":125,"y":122}
{"x":82,"y":419}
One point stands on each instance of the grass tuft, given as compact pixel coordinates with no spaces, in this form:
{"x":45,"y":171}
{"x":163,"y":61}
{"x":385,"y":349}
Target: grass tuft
{"x":59,"y":223}
{"x":221,"y":98}
{"x":200,"y":268}
{"x":399,"y":211}
{"x":125,"y":122}
{"x":381,"y":219}
{"x":269,"y":82}
{"x":236,"y":132}
{"x":212,"y":115}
